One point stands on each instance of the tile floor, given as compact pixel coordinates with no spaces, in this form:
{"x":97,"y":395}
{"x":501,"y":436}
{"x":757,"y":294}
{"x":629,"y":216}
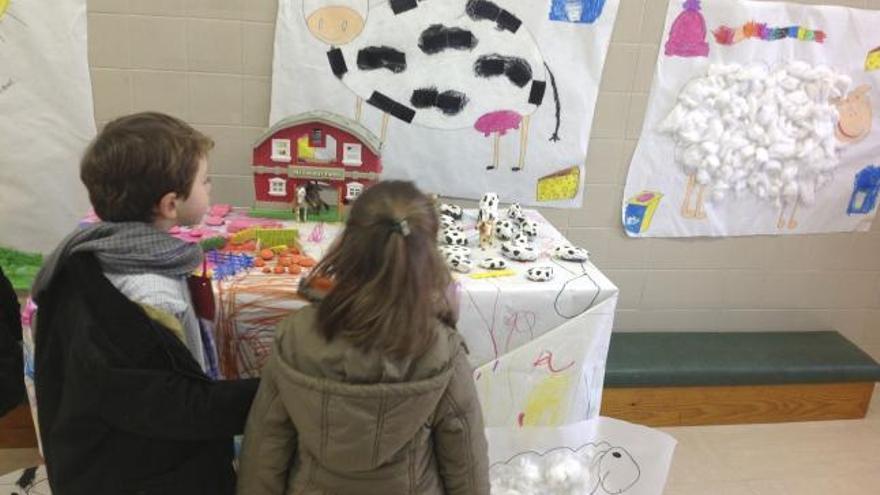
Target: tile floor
{"x":815,"y":458}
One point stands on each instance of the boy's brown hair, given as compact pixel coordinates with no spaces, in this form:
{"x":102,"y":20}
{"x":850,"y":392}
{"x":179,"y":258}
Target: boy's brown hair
{"x":137,"y":159}
{"x":390,"y":285}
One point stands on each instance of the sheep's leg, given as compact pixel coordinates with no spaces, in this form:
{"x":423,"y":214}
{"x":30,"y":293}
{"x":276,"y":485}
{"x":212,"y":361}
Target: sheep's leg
{"x":523,"y":143}
{"x":792,"y":223}
{"x":686,"y":211}
{"x":781,"y":222}
{"x":358,"y":109}
{"x":495,"y":150}
{"x":699,"y":212}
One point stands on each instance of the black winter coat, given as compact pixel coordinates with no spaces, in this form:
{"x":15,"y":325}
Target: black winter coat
{"x":11,"y":359}
{"x":122,"y":405}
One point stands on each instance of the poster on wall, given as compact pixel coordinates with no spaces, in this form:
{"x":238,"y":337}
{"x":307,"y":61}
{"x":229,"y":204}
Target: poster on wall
{"x":764,"y":118}
{"x":46,"y":120}
{"x":465,"y":96}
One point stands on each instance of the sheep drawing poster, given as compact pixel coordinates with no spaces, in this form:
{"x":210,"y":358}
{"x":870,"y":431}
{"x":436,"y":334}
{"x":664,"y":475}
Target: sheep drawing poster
{"x":466,"y":96}
{"x":46,"y":120}
{"x":599,"y":456}
{"x":762,"y":119}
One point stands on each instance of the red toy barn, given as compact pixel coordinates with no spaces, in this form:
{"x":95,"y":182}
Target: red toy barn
{"x":313,"y":146}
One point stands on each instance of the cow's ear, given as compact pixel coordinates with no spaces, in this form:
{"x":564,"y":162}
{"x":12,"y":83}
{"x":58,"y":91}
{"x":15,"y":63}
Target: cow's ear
{"x":863,"y":89}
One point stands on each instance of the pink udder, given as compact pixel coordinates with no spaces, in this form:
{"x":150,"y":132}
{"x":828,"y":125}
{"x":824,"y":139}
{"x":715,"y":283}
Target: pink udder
{"x":500,"y":122}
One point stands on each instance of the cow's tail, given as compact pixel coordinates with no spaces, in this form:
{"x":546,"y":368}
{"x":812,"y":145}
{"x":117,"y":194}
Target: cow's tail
{"x":555,"y":136}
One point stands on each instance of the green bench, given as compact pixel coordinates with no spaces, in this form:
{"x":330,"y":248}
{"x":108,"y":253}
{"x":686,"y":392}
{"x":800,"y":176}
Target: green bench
{"x":691,"y":378}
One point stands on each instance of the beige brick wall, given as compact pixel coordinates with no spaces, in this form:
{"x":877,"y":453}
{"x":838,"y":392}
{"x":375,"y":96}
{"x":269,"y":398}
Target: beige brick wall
{"x":209,"y":61}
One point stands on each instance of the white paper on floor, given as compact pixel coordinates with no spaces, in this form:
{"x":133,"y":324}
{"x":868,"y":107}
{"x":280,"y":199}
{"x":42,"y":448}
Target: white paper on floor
{"x":601,"y":456}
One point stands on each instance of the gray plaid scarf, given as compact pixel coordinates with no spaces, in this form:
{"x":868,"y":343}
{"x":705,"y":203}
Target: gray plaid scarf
{"x":124,"y":247}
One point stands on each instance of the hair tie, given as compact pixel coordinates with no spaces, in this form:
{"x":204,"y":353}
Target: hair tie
{"x":401,"y":227}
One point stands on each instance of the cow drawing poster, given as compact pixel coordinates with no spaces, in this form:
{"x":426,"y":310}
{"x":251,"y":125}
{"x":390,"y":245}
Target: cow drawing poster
{"x":762,"y":119}
{"x":45,"y":120}
{"x":466,"y":96}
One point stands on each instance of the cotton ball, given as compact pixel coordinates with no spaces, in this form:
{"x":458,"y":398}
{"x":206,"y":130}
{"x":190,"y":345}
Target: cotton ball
{"x":726,"y":172}
{"x":773,"y":167}
{"x":673,"y":121}
{"x":756,"y":132}
{"x":564,"y":472}
{"x":712,"y":162}
{"x":807,"y":148}
{"x":710,"y":147}
{"x":703,"y":177}
{"x":791,"y":190}
{"x":783,"y":148}
{"x":692,"y":157}
{"x":761,"y":155}
{"x":528,"y":471}
{"x":691,"y":134}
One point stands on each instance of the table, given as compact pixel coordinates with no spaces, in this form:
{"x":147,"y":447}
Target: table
{"x":497,"y":315}
{"x":538,"y":348}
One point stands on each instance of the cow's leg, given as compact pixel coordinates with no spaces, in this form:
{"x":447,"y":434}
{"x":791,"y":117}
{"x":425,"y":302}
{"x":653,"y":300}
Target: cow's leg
{"x":523,"y":143}
{"x":385,"y":118}
{"x":358,"y":109}
{"x":496,"y":142}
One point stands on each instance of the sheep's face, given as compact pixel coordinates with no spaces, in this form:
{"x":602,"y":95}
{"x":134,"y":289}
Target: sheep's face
{"x":617,"y":471}
{"x":855,"y":115}
{"x":335,"y":25}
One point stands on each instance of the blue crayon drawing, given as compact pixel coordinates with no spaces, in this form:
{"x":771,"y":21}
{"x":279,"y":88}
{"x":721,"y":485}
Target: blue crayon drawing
{"x":579,"y":11}
{"x":866,"y":186}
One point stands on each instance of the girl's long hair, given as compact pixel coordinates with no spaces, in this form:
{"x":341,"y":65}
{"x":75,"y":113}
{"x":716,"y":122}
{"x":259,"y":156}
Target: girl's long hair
{"x":390,"y":285}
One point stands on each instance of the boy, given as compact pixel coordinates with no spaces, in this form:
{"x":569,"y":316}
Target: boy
{"x":124,"y":405}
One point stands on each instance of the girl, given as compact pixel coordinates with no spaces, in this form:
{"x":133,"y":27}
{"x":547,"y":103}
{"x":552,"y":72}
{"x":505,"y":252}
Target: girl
{"x":369,"y":390}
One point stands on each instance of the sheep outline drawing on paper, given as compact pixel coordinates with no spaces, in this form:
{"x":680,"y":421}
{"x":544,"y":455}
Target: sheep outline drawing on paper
{"x":772,"y":132}
{"x":593,"y":468}
{"x":441,"y":65}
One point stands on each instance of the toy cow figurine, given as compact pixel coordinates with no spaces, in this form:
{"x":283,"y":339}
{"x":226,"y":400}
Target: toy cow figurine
{"x":486,"y":228}
{"x":486,"y":219}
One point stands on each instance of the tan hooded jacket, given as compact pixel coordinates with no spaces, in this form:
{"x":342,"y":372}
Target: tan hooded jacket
{"x":332,"y":419}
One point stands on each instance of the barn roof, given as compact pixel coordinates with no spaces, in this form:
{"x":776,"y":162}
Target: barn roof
{"x":329,"y":118}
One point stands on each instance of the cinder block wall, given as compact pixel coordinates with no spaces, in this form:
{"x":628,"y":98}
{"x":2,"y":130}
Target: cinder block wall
{"x":209,"y":62}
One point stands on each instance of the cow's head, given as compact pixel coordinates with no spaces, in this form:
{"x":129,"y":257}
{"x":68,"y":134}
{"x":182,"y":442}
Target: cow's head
{"x":335,"y":22}
{"x":855,"y":115}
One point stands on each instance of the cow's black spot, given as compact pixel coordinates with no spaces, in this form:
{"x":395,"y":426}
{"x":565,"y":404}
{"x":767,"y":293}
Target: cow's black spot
{"x":517,"y":69}
{"x":401,"y":6}
{"x":449,"y":102}
{"x":479,"y":10}
{"x":381,"y":57}
{"x":438,"y":38}
{"x":392,"y":107}
{"x":337,"y":62}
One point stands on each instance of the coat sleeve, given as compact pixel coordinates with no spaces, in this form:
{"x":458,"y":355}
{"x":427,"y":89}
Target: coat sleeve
{"x":459,"y":437}
{"x":166,"y":403}
{"x":269,"y":442}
